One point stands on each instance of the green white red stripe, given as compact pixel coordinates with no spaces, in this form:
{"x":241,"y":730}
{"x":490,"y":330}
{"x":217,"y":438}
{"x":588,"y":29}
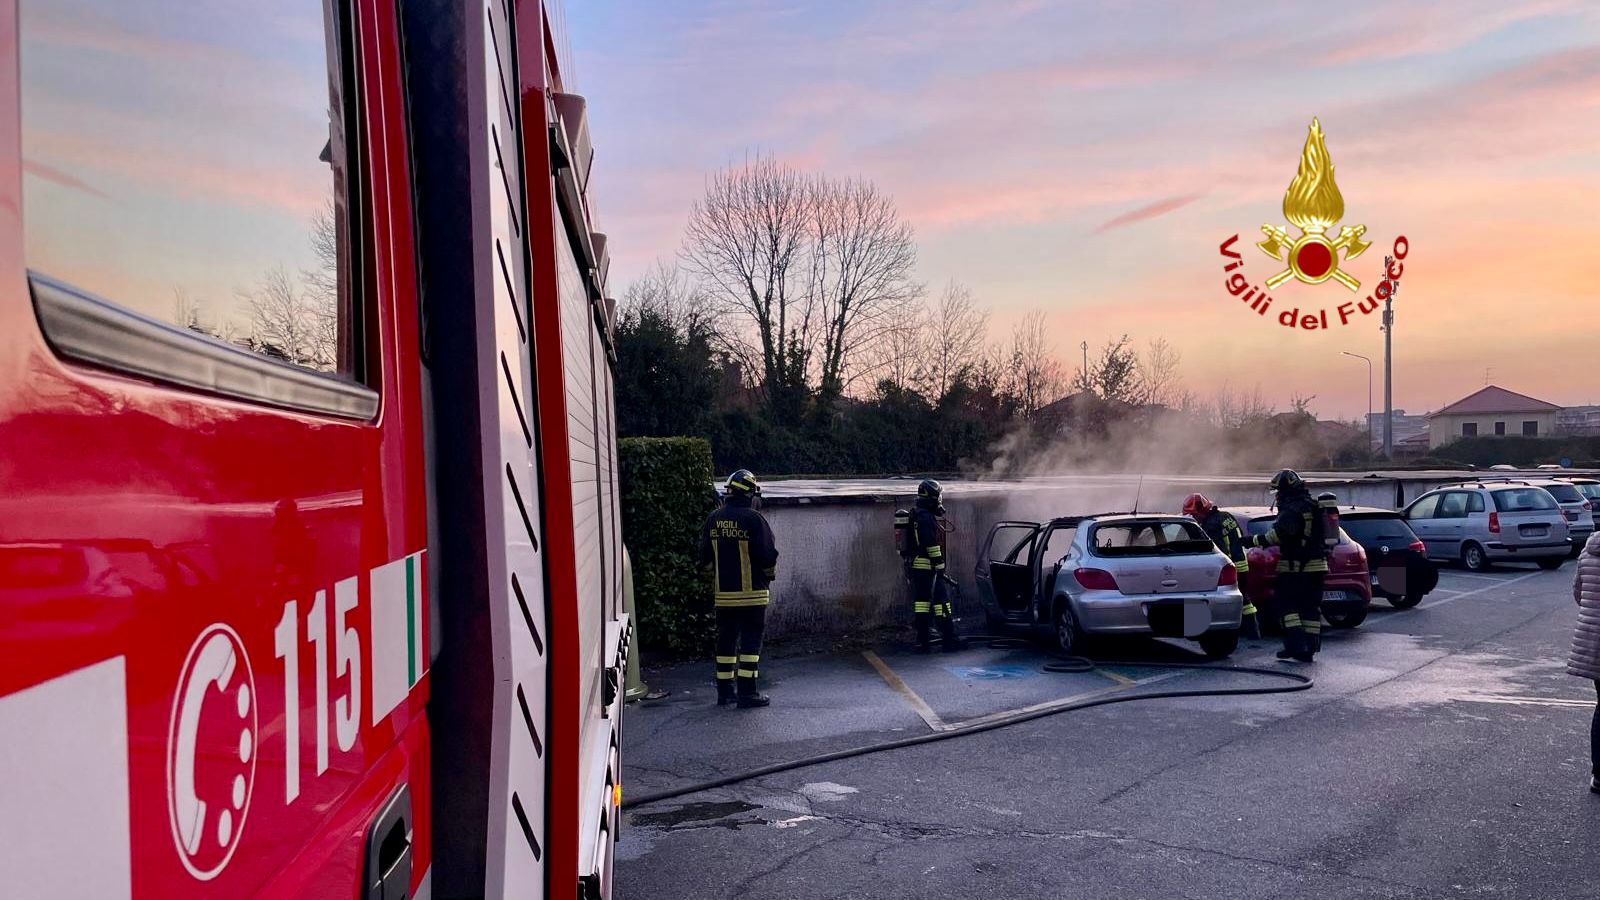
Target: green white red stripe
{"x":399,"y":644}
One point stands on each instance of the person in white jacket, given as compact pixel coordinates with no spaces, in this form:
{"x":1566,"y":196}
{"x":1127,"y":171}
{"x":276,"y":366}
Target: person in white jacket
{"x":1584,"y":660}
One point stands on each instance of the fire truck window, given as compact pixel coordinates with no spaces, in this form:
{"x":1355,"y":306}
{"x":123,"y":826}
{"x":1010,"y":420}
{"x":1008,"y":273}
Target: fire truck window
{"x":187,"y":161}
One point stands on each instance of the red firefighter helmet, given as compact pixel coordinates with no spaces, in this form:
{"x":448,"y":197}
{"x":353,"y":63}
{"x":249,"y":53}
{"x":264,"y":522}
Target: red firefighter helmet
{"x":1197,"y":505}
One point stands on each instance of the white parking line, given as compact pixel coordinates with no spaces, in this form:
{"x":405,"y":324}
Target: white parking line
{"x":1468,"y":575}
{"x":1488,"y":587}
{"x":1526,"y":701}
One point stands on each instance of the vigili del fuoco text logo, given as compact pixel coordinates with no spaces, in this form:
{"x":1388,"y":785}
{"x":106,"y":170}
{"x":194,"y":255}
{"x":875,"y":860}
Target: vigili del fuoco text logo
{"x":1313,"y":205}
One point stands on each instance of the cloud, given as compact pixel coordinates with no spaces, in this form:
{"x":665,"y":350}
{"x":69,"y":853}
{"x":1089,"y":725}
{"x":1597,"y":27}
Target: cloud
{"x":52,"y":174}
{"x":1148,"y":211}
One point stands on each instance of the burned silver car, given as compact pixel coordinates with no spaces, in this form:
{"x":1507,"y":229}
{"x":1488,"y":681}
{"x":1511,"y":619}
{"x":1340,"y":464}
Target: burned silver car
{"x":1110,"y":574}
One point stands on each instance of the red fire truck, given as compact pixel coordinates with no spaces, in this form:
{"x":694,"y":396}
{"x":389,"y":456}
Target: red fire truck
{"x":310,"y":564}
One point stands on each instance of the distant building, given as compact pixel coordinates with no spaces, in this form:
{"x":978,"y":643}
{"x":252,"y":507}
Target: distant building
{"x":1579,"y":420}
{"x":1492,"y":412}
{"x":1405,"y":427}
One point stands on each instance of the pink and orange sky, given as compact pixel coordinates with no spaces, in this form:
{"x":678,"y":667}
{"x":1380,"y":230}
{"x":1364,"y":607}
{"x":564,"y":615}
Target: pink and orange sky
{"x":1087,"y":160}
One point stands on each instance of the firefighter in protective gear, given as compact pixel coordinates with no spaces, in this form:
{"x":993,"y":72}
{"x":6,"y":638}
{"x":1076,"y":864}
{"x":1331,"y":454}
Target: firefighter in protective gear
{"x":1224,"y":531}
{"x":1299,"y":534}
{"x":925,"y":561}
{"x":736,"y":546}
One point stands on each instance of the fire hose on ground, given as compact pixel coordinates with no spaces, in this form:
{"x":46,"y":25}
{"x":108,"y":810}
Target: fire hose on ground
{"x":1059,"y":664}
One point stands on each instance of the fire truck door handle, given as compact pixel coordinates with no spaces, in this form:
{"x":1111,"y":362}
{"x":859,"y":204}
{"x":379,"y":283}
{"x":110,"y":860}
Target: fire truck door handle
{"x":388,"y":855}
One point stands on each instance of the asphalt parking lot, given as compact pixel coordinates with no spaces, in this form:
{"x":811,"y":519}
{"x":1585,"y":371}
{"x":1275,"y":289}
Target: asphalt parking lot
{"x":1442,"y":752}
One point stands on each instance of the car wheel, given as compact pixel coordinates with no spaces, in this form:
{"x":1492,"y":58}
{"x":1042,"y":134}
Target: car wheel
{"x":1070,"y":638}
{"x":1473,"y":557}
{"x":1219,"y":644}
{"x":1551,"y":563}
{"x":1407,"y":601}
{"x":1347,"y":619}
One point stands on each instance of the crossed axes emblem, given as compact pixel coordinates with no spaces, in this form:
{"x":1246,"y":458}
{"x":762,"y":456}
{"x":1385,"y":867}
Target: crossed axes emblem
{"x":1313,"y":258}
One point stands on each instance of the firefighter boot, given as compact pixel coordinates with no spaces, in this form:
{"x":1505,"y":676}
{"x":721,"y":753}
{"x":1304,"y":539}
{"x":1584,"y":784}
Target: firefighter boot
{"x":725,"y":695}
{"x":924,"y":631}
{"x":949,"y":641}
{"x":749,"y":697}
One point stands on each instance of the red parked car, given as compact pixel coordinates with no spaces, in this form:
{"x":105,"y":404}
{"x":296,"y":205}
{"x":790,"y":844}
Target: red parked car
{"x":1345,"y":594}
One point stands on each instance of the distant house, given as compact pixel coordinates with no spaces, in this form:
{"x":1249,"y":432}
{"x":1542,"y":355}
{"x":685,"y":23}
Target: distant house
{"x":1492,"y":412}
{"x":1579,"y":420}
{"x":1412,"y":447}
{"x":1405,"y":427}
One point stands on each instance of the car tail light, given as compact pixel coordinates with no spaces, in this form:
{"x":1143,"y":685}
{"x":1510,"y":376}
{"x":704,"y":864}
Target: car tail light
{"x":1494,"y":523}
{"x":1228,"y":575}
{"x":1096,"y":579}
{"x":1588,"y":505}
{"x":1419,"y":546}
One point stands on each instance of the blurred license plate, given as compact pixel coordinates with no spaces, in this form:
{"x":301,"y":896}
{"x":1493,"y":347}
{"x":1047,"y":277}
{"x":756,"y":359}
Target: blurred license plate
{"x":1189,"y":617}
{"x":1533,"y":530}
{"x":1333,"y":596}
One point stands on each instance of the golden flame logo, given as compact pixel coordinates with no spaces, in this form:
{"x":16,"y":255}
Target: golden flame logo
{"x":1313,"y":201}
{"x":1313,"y":204}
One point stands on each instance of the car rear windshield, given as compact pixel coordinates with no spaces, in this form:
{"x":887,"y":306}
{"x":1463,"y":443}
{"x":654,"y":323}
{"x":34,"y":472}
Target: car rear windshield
{"x":1564,"y":493}
{"x":1523,"y":499}
{"x":1373,"y":529}
{"x":1592,"y":491}
{"x":1149,"y":539}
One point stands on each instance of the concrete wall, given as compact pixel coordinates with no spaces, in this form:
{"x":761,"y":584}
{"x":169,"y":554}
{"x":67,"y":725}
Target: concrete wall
{"x":1444,"y":429}
{"x":839,"y":572}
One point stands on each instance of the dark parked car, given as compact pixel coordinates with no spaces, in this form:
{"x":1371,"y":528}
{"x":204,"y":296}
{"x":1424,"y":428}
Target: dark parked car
{"x":1346,"y":592}
{"x":1397,"y":560}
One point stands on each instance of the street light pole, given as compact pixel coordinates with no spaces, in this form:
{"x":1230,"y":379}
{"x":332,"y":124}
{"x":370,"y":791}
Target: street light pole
{"x":1388,"y":379}
{"x":1368,"y":361}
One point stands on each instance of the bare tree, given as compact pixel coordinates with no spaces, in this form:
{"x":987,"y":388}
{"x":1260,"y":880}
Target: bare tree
{"x":1158,"y":373}
{"x":289,"y":323}
{"x":898,"y":352}
{"x":861,"y":254}
{"x":1035,"y":372}
{"x":747,"y":240}
{"x":1235,"y":410}
{"x":664,"y":290}
{"x":956,"y":337}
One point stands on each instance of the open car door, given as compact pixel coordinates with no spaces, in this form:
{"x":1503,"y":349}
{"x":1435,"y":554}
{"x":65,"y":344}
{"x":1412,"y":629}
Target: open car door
{"x":1004,"y":573}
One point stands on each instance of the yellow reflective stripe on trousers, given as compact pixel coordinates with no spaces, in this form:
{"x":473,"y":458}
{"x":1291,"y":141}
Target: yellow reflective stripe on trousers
{"x":727,"y":660}
{"x":725,"y":675}
{"x":747,"y":673}
{"x":1249,"y":609}
{"x":749,"y":657}
{"x":741,"y":598}
{"x":921,"y":563}
{"x":1292,"y":620}
{"x":920,"y":606}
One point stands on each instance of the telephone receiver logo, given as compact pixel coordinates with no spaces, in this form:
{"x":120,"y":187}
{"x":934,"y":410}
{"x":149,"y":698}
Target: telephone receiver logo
{"x":213,"y":662}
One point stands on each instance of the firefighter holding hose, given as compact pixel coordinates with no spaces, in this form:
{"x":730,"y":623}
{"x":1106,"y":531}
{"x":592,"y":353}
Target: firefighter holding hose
{"x":1300,"y":532}
{"x":924,"y":554}
{"x":1224,"y":531}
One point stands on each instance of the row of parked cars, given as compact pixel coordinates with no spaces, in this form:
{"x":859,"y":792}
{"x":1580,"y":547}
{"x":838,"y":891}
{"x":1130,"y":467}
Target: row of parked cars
{"x":1158,"y":574}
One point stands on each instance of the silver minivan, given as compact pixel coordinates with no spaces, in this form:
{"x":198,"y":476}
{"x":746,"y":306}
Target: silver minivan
{"x":1482,"y":523}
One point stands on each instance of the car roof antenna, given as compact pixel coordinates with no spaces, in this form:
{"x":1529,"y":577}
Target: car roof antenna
{"x":1136,"y":493}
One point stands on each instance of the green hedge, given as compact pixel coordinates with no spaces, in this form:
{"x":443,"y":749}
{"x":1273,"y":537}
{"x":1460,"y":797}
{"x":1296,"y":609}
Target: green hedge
{"x":666,"y":495}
